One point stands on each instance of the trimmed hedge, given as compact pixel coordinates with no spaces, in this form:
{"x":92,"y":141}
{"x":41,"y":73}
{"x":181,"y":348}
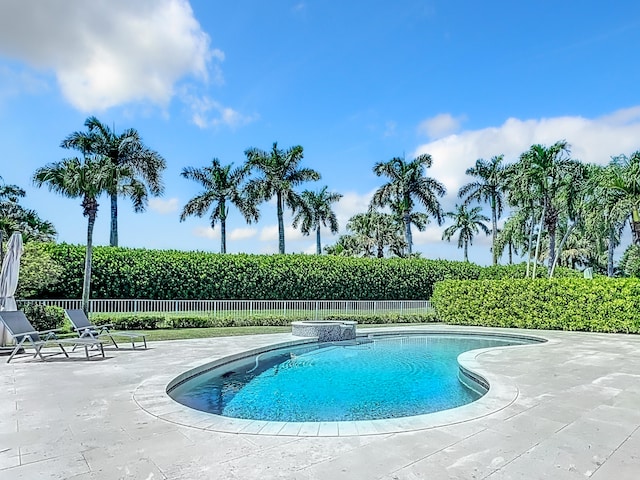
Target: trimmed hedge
{"x":598,"y":305}
{"x":168,"y":274}
{"x":151,"y":321}
{"x":44,"y":317}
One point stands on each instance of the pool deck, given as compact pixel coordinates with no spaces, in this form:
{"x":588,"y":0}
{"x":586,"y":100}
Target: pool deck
{"x":566,"y":409}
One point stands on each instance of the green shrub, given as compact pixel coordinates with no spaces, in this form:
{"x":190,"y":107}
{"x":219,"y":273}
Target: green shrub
{"x":130,"y":321}
{"x":38,"y":270}
{"x":168,"y":274}
{"x":630,"y":262}
{"x":598,"y":305}
{"x":388,"y":318}
{"x":44,"y":318}
{"x":519,"y":270}
{"x":151,"y":321}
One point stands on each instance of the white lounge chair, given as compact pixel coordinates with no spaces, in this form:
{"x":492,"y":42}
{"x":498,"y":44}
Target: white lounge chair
{"x":25,"y":335}
{"x":86,"y":329}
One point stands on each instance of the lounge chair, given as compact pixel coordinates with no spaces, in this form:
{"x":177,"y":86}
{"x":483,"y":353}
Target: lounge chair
{"x":24,"y":334}
{"x":85,"y":329}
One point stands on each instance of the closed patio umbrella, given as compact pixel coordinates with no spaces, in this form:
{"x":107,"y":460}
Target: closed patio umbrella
{"x":9,"y":279}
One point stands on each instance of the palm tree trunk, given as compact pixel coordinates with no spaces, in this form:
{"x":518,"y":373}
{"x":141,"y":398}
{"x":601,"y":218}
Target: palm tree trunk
{"x":530,"y":240}
{"x":610,"y":248}
{"x":86,"y":284}
{"x":223,"y":235}
{"x":510,"y":253}
{"x":466,"y":246}
{"x":494,"y":231}
{"x":635,"y":225}
{"x":552,"y":244}
{"x":318,"y":246}
{"x":557,"y":256}
{"x":280,"y":223}
{"x":407,"y":230}
{"x":113,"y":237}
{"x":535,"y":259}
{"x":223,"y":227}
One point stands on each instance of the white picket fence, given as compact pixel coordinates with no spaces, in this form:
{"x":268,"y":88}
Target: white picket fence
{"x":312,"y":309}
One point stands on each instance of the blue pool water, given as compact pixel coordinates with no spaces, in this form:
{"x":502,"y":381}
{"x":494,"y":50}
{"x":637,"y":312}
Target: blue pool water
{"x":378,"y":377}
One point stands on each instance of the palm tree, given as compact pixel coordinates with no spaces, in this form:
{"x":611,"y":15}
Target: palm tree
{"x":278,"y":173}
{"x":315,"y":211}
{"x":376,"y":231}
{"x":221,"y":185}
{"x":407,"y":184}
{"x":144,"y":165}
{"x":550,"y":168}
{"x":86,"y":179}
{"x":14,"y":217}
{"x":626,"y":181}
{"x":513,"y":235}
{"x":607,"y":206}
{"x":488,"y":188}
{"x":468,"y":223}
{"x":523,"y":193}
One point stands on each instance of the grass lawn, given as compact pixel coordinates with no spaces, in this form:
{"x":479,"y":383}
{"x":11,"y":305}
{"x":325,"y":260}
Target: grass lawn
{"x":185,"y":333}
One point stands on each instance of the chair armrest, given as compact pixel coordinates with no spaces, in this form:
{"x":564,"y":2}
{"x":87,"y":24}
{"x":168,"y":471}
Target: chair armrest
{"x":49,"y":334}
{"x":105,"y":325}
{"x":50,"y":331}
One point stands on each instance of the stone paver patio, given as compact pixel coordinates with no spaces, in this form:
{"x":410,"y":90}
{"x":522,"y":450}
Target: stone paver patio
{"x":566,"y":409}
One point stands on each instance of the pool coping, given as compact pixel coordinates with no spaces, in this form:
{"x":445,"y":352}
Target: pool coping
{"x":151,"y":395}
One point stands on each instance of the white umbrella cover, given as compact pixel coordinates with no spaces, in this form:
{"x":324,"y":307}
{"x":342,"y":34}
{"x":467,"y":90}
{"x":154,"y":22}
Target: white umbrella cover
{"x":9,"y":278}
{"x":10,"y":272}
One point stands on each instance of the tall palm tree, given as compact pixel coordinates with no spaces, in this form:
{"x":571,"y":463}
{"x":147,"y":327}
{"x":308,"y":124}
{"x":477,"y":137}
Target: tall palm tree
{"x":221,"y":185}
{"x":550,"y":167}
{"x":523,"y":193}
{"x":87,"y":179}
{"x":408,"y":184}
{"x":314,"y":211}
{"x":278,"y":173}
{"x":488,"y":187}
{"x":467,"y":223}
{"x":144,"y":165}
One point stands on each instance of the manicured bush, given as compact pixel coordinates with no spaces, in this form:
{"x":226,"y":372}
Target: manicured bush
{"x":38,"y":270}
{"x":162,"y":274}
{"x":152,"y":321}
{"x":44,"y":318}
{"x":519,"y":270}
{"x":598,"y":305}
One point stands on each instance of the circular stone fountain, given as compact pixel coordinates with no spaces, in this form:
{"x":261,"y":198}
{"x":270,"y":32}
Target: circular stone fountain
{"x":326,"y":331}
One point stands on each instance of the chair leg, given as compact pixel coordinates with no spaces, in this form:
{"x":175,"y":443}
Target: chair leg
{"x":63,"y":350}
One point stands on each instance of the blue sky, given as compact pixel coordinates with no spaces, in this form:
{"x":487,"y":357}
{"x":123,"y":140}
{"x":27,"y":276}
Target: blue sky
{"x":353,"y":82}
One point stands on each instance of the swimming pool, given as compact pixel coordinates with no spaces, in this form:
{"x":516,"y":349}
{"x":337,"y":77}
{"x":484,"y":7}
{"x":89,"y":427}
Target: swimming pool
{"x":376,"y":377}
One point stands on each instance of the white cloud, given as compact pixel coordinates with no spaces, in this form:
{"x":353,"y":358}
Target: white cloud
{"x":242,"y":233}
{"x":206,"y":113}
{"x":162,"y":206}
{"x":206,"y":232}
{"x":349,"y":205}
{"x":109,"y":52}
{"x":592,"y":140}
{"x":270,"y":233}
{"x":431,"y":235}
{"x":440,"y":125}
